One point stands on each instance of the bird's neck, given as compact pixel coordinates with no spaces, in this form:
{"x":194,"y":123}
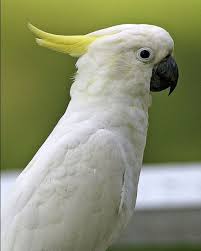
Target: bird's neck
{"x":113,"y":101}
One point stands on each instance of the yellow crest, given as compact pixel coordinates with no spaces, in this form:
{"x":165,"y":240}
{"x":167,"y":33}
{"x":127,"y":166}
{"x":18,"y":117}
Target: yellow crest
{"x":72,"y":45}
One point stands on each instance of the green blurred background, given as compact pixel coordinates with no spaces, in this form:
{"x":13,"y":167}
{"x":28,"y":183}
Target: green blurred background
{"x":36,"y":81}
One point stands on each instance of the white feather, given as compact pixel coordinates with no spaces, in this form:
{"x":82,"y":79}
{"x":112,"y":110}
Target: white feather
{"x":79,"y":190}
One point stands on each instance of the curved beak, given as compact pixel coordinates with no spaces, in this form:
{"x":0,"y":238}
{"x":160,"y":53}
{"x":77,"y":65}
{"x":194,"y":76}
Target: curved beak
{"x":164,"y":75}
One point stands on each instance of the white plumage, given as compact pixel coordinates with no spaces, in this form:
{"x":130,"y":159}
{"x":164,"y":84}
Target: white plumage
{"x":79,"y":190}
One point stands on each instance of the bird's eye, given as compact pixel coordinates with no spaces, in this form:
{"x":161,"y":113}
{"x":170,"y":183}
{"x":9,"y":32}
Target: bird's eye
{"x":144,"y":54}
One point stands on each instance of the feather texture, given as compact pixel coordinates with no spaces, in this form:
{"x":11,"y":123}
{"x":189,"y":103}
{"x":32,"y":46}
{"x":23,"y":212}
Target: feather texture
{"x":79,"y":190}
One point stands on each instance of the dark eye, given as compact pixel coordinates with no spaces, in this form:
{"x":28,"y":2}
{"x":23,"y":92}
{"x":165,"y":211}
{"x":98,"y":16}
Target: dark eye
{"x":145,"y":54}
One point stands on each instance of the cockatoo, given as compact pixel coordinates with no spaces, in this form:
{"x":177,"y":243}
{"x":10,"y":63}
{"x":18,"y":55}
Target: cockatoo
{"x":79,"y":191}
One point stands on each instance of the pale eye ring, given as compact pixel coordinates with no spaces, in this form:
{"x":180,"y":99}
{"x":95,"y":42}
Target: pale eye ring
{"x":145,"y":54}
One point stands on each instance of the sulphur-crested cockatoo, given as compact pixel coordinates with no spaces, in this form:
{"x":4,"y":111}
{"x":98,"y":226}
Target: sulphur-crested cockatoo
{"x":79,"y":191}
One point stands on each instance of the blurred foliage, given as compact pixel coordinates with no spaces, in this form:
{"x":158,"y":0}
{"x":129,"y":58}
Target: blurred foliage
{"x":159,"y":248}
{"x":36,"y":81}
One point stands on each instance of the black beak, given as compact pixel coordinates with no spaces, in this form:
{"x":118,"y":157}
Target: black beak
{"x":164,"y":75}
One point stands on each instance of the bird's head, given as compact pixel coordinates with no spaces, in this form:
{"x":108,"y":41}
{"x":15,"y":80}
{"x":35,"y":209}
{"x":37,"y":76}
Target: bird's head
{"x":125,"y":51}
